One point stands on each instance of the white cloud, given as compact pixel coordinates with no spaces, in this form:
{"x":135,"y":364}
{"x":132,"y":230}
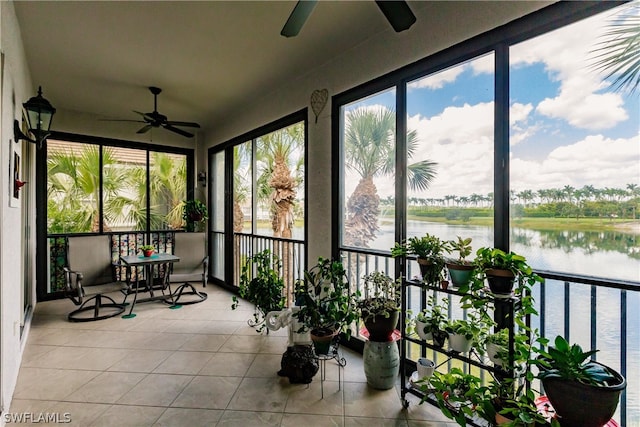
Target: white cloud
{"x":438,"y":80}
{"x":595,"y":160}
{"x":565,"y":53}
{"x":460,"y":141}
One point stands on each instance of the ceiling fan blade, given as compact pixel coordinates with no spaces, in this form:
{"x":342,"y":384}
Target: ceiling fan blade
{"x":122,"y":120}
{"x":298,"y":17}
{"x":176,"y":130}
{"x":397,"y":13}
{"x":186,"y":124}
{"x":145,"y":129}
{"x":145,"y":116}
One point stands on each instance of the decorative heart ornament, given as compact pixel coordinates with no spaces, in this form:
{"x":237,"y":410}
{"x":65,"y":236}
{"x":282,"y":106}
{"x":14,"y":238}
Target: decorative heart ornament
{"x":318,"y":101}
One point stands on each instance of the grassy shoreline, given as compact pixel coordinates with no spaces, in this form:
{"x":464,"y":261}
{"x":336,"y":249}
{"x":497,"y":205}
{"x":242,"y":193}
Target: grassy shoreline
{"x":627,"y":226}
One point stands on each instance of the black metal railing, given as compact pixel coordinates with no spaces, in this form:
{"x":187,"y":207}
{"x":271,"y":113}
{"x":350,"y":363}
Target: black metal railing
{"x":291,"y":253}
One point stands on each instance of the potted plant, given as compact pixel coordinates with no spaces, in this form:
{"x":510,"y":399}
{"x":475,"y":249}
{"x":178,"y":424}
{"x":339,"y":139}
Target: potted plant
{"x":429,"y":323}
{"x":429,"y":251}
{"x":462,"y":334}
{"x":501,"y":269}
{"x":460,"y":269}
{"x":458,"y":394}
{"x":147,"y":250}
{"x":261,"y":284}
{"x":518,"y":410}
{"x":583,"y":392}
{"x":380,"y":308}
{"x":497,"y":346}
{"x":327,"y":304}
{"x":194,"y":213}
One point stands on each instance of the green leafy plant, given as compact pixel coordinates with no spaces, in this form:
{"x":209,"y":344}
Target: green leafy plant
{"x":457,"y":394}
{"x":194,"y":212}
{"x":326,"y":301}
{"x":428,"y":247}
{"x":147,"y":248}
{"x":429,"y":250}
{"x":570,"y":362}
{"x":463,"y":247}
{"x":494,"y":258}
{"x":261,"y":284}
{"x":434,"y":318}
{"x":522,"y":411}
{"x":383,"y":296}
{"x":462,"y":327}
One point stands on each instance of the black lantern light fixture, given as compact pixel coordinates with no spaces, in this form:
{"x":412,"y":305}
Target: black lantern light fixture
{"x":39,"y":115}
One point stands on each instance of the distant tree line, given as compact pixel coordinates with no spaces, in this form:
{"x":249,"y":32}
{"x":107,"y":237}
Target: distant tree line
{"x":564,"y":202}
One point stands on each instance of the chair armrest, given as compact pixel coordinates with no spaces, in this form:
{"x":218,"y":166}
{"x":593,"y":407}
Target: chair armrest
{"x":205,"y":270}
{"x":74,"y":287}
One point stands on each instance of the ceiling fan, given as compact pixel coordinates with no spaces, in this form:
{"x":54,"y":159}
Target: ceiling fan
{"x":397,"y":13}
{"x":156,"y":120}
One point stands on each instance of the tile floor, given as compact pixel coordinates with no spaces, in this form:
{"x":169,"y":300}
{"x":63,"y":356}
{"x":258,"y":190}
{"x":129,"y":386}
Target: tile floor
{"x":200,"y":365}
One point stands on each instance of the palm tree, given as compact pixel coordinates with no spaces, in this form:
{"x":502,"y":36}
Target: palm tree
{"x":369,"y":150}
{"x":618,"y":55}
{"x":241,"y":190}
{"x":74,"y":188}
{"x":280,"y":153}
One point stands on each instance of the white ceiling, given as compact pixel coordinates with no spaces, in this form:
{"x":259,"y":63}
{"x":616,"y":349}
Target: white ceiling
{"x":209,"y":57}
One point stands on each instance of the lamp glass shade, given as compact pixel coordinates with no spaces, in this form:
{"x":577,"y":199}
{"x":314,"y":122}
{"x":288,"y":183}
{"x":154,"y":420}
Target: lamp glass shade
{"x":39,"y":113}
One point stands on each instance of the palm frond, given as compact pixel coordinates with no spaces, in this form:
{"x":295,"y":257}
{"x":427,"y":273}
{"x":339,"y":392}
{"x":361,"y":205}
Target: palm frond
{"x":617,"y":56}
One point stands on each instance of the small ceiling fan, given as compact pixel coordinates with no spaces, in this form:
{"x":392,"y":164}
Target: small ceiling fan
{"x":155,"y":119}
{"x":397,"y":13}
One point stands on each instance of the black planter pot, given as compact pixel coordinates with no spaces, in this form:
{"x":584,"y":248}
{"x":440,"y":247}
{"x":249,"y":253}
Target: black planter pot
{"x":581,"y":405}
{"x":430,"y":272}
{"x":500,"y":281}
{"x":381,"y":328}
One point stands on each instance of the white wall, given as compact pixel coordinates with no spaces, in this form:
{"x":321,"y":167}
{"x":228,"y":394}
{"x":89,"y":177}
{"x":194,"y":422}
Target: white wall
{"x":16,"y":88}
{"x":379,"y":55}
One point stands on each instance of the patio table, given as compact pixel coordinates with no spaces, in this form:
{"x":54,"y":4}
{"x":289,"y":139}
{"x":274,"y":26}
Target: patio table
{"x":148,"y":263}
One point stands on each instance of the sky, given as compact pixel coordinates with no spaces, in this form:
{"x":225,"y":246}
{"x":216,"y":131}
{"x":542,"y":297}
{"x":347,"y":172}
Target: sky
{"x":566,"y":126}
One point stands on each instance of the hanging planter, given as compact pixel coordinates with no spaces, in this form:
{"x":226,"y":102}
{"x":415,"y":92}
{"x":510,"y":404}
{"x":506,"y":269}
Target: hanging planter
{"x":194,"y":213}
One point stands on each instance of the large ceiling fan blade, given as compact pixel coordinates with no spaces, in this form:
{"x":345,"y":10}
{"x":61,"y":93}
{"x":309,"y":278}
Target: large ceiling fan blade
{"x":122,"y":120}
{"x":397,"y":13}
{"x":298,"y":17}
{"x":145,"y":116}
{"x":145,"y":129}
{"x":186,"y":124}
{"x":176,"y":130}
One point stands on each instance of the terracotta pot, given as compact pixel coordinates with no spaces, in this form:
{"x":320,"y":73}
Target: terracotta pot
{"x":322,"y":340}
{"x":148,"y":253}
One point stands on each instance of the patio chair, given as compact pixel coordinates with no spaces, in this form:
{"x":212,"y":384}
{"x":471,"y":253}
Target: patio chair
{"x":90,"y":275}
{"x":192,"y":268}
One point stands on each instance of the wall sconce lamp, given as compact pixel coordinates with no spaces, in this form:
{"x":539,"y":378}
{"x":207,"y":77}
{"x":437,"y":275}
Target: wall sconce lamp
{"x":39,"y":115}
{"x":202,"y":178}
